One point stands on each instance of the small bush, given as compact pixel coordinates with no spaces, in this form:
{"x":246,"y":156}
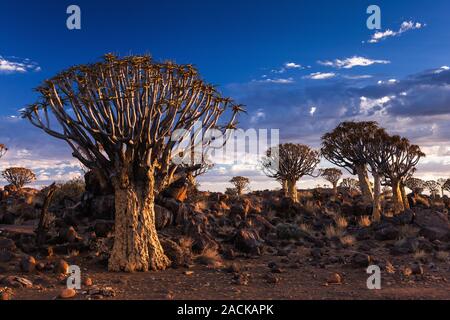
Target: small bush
{"x":364,"y":221}
{"x":333,"y":232}
{"x":70,"y":190}
{"x":341,"y":222}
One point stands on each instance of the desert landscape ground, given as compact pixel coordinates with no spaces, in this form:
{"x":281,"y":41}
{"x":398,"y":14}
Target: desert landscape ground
{"x":258,"y":246}
{"x":224,"y":150}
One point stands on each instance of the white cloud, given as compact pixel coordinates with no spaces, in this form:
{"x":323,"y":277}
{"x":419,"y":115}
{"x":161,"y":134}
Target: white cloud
{"x":321,"y":75}
{"x":357,"y":77}
{"x":405,"y":26}
{"x":351,"y":62}
{"x":367,"y":105}
{"x":258,"y":115}
{"x":16,"y":65}
{"x":292,"y":65}
{"x":277,"y":80}
{"x":441,"y":69}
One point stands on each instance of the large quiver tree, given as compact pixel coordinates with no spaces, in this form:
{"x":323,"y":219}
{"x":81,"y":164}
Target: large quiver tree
{"x":344,"y":147}
{"x":119,"y":116}
{"x":394,"y":158}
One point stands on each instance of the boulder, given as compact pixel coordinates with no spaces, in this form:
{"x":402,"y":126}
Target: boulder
{"x":28,"y":264}
{"x":103,"y":227}
{"x":387,"y":232}
{"x":248,"y":240}
{"x":174,"y":252}
{"x":433,"y":225}
{"x":405,"y":246}
{"x":361,"y":260}
{"x":288,"y":231}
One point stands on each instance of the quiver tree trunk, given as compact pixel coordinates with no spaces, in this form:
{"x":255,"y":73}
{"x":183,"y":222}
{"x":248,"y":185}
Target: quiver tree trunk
{"x":404,"y":197}
{"x":292,"y":190}
{"x":136,"y":244}
{"x":376,"y":212}
{"x":397,"y":197}
{"x":364,"y":184}
{"x":284,"y":187}
{"x":335,"y":189}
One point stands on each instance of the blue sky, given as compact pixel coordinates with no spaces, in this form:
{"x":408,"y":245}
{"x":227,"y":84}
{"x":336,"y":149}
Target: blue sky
{"x":301,"y":66}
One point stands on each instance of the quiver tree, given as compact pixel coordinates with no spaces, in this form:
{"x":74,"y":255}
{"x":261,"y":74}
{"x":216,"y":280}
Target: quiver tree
{"x":3,"y":150}
{"x":284,"y":186}
{"x":289,"y":162}
{"x":446,"y":186}
{"x":394,"y":158}
{"x":120,"y":117}
{"x":416,"y":185}
{"x":240,"y":184}
{"x":333,"y":175}
{"x":18,"y":177}
{"x":442,"y":184}
{"x":344,"y":147}
{"x":350,"y":183}
{"x":433,"y":187}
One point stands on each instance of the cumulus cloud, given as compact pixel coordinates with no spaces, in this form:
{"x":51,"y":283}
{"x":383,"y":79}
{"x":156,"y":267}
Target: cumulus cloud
{"x":352,"y":62}
{"x":321,"y":75}
{"x":404,"y":27}
{"x":17,"y":65}
{"x":292,"y":65}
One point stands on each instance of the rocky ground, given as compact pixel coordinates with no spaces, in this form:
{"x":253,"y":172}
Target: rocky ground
{"x":259,"y":246}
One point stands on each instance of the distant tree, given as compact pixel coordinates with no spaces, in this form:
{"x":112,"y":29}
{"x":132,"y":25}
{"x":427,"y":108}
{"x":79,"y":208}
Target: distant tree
{"x":433,"y":187}
{"x":231,"y":192}
{"x":122,"y":116}
{"x":442,"y":183}
{"x":344,"y":147}
{"x":416,"y":185}
{"x":289,"y":162}
{"x":3,"y":150}
{"x":350,"y":183}
{"x":18,"y":176}
{"x":446,"y":185}
{"x":333,"y":175}
{"x":240,"y":184}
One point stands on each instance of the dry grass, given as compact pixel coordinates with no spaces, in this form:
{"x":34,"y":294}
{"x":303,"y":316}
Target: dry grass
{"x":333,"y":232}
{"x":341,"y":222}
{"x":210,"y":257}
{"x":348,"y":240}
{"x":408,"y":231}
{"x":442,"y":256}
{"x":186,"y":243}
{"x":306,"y":228}
{"x":420,"y":255}
{"x":364,"y":221}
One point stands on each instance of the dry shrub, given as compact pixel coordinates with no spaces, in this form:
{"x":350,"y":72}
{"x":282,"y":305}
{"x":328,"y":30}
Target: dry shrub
{"x":186,"y":243}
{"x":306,"y":228}
{"x":408,"y":231}
{"x":201,"y":206}
{"x":364,"y":221}
{"x":333,"y":232}
{"x":348,"y":240}
{"x":71,"y":190}
{"x":442,"y":256}
{"x":341,"y":222}
{"x":420,"y":255}
{"x":209,"y":257}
